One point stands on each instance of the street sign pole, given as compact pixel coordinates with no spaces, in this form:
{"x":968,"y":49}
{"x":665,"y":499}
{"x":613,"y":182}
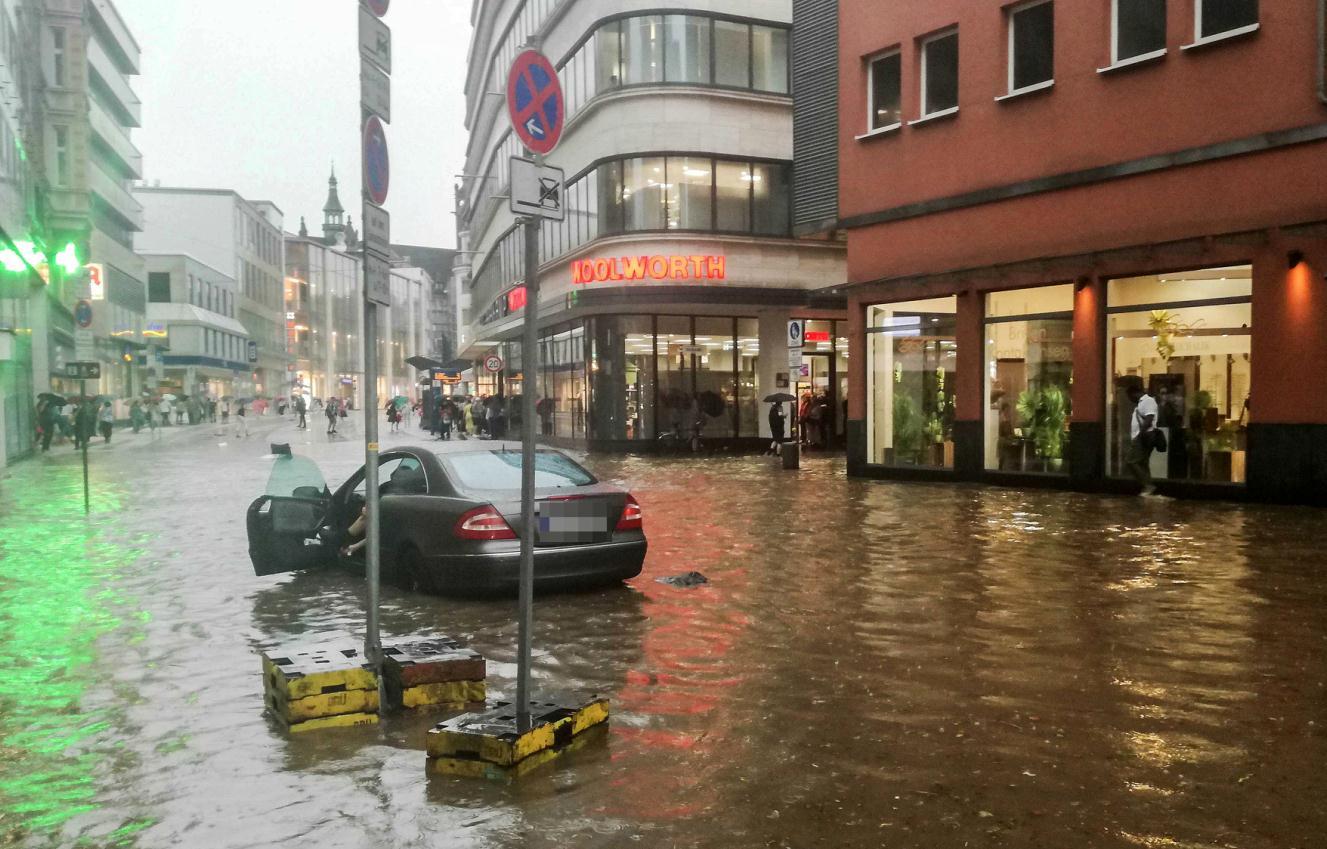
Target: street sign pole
{"x":375,"y":50}
{"x":530,"y":370}
{"x":87,"y":497}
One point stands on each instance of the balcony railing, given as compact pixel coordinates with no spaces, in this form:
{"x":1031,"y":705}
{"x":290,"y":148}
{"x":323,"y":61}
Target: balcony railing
{"x":117,"y":139}
{"x":116,"y":196}
{"x":104,"y":67}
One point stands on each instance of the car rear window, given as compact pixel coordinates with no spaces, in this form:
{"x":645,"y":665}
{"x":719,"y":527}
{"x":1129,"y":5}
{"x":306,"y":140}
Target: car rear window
{"x":502,"y":470}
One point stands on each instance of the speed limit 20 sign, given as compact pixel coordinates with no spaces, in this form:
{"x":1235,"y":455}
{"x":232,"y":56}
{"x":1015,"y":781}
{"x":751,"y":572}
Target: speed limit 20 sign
{"x":493,"y":363}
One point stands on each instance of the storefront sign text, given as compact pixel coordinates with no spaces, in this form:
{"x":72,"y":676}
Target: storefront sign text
{"x":655,"y":267}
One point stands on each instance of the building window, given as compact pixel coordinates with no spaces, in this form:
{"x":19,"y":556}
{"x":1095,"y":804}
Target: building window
{"x":1217,"y":17}
{"x":61,"y":150}
{"x":158,"y":287}
{"x":642,"y":50}
{"x":771,"y":197}
{"x":690,"y":193}
{"x":643,"y":193}
{"x":1029,"y":374}
{"x":769,"y":59}
{"x":940,"y":74}
{"x":1031,"y":45}
{"x":1138,"y":28}
{"x":732,"y":54}
{"x":911,"y":376}
{"x":687,"y":49}
{"x":885,"y":87}
{"x":732,"y":196}
{"x":1184,"y":339}
{"x":608,"y":58}
{"x":59,"y":60}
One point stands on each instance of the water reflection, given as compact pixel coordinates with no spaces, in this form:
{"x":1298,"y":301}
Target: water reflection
{"x":871,"y":664}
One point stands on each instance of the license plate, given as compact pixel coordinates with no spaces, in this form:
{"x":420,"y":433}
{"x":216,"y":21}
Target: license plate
{"x":571,"y":522}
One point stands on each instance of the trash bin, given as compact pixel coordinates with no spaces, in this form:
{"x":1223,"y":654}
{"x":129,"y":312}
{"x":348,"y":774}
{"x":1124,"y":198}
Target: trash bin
{"x":792,"y":455}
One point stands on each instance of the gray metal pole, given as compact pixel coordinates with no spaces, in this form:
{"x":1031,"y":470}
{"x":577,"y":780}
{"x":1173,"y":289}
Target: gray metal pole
{"x":87,"y":497}
{"x":530,"y":373}
{"x":372,"y":639}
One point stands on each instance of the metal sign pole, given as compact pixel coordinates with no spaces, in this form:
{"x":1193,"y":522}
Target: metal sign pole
{"x":530,"y":370}
{"x":372,"y":639}
{"x":87,"y":498}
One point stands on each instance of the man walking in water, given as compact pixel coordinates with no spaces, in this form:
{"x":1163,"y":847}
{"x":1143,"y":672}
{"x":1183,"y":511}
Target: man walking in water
{"x":1142,"y":433}
{"x":301,"y":408}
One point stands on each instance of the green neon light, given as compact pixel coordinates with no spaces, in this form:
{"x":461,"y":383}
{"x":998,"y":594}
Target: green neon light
{"x":11,"y":261}
{"x":68,"y":259}
{"x":30,"y":253}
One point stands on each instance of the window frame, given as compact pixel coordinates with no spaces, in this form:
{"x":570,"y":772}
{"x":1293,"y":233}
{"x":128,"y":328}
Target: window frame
{"x":1200,"y":38}
{"x":1011,"y":13}
{"x":1115,"y":59}
{"x":923,"y":46}
{"x":871,"y":129}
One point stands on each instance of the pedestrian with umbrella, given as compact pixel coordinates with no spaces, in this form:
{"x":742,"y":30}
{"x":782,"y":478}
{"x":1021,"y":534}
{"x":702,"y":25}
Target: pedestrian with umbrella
{"x":106,"y":421}
{"x":47,"y":405}
{"x":777,"y":419}
{"x":136,"y":416}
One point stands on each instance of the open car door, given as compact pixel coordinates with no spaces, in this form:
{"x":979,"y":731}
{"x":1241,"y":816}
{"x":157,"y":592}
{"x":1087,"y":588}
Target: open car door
{"x":283,"y":524}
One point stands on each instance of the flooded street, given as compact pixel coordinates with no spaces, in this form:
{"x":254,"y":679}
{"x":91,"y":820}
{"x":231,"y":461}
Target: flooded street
{"x":871,"y":664}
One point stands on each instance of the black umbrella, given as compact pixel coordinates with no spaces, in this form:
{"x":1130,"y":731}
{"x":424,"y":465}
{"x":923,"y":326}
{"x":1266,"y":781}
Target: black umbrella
{"x":423,"y":362}
{"x":52,"y":398}
{"x":711,"y":403}
{"x":780,"y":398}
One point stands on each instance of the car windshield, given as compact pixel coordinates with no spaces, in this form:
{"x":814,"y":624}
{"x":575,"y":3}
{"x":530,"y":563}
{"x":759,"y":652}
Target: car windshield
{"x":295,"y":476}
{"x":502,"y":470}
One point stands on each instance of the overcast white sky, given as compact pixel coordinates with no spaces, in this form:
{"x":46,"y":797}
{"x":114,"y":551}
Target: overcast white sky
{"x":261,"y":96}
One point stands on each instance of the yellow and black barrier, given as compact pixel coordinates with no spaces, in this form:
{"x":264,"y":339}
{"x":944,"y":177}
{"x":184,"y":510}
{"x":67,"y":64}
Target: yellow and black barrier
{"x":434,"y":673}
{"x":319,"y":686}
{"x":490,"y":744}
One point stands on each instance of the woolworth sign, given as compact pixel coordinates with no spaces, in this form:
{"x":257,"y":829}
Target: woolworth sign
{"x":651,"y":267}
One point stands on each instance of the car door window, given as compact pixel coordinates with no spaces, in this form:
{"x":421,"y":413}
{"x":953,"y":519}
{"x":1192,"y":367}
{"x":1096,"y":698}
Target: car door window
{"x":397,"y":476}
{"x":295,"y":477}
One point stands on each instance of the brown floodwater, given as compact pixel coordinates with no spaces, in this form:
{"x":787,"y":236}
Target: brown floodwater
{"x":871,"y":664}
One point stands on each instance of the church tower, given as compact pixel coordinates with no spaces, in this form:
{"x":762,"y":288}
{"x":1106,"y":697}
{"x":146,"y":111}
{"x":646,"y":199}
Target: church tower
{"x":334,"y":227}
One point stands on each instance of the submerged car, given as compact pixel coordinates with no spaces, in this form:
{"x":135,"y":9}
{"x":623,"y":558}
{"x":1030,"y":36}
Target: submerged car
{"x":451,"y":521}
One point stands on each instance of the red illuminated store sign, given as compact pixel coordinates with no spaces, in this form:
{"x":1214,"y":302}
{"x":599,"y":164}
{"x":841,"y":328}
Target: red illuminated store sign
{"x":816,"y":336}
{"x":516,"y":299}
{"x":656,"y":267}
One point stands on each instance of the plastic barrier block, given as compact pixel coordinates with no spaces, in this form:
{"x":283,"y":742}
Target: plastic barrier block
{"x":454,"y":695}
{"x":492,"y":736}
{"x":327,"y":704}
{"x":431,"y":662}
{"x":344,"y":720}
{"x":296,"y":673}
{"x":474,"y":768}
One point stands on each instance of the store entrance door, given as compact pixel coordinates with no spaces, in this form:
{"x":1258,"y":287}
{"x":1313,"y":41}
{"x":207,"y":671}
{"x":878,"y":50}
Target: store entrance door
{"x":819,"y":381}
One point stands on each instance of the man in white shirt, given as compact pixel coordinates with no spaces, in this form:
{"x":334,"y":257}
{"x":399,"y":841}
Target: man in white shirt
{"x":1141,"y":427}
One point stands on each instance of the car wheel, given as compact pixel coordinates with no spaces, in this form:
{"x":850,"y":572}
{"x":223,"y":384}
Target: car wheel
{"x":411,"y":573}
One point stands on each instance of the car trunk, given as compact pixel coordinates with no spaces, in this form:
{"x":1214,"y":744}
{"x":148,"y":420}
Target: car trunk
{"x":565,"y":516}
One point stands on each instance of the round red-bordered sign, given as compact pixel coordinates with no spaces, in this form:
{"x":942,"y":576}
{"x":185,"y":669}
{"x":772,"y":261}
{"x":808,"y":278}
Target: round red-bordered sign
{"x":534,"y":101}
{"x":493,"y":363}
{"x":377,"y":167}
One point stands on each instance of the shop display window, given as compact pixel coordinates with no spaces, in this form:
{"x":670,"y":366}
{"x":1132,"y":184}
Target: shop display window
{"x":748,"y":377}
{"x":911,"y":379}
{"x":715,"y":400}
{"x":1184,"y":338}
{"x":1029,"y":379}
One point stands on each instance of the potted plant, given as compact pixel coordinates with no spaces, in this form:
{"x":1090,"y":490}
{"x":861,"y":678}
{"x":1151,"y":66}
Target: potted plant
{"x":1044,"y":413}
{"x":907,"y":430}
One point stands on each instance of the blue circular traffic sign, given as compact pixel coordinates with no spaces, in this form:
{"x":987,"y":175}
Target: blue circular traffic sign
{"x":377,"y":168}
{"x":83,"y":314}
{"x":534,"y":101}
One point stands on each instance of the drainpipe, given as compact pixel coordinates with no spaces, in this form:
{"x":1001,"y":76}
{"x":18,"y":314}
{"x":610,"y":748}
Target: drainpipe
{"x":1322,"y":50}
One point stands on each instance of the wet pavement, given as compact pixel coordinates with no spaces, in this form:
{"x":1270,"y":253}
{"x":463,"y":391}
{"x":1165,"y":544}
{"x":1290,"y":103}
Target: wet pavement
{"x":871,"y":664}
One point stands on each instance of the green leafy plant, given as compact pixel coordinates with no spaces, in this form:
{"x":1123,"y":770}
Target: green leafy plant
{"x":1044,"y":413}
{"x":907,"y":427}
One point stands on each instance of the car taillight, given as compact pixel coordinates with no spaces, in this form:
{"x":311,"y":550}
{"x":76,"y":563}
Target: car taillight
{"x":483,"y":523}
{"x":631,"y":516}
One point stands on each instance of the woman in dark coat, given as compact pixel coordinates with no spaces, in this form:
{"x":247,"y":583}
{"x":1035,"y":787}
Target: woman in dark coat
{"x":776,"y":423}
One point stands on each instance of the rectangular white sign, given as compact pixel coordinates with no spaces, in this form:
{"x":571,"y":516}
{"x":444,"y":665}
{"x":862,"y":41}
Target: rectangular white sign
{"x":377,"y":279}
{"x":375,"y":40}
{"x":85,"y":346}
{"x":377,"y":230}
{"x":794,"y":359}
{"x":796,"y":334}
{"x":537,"y":190}
{"x":375,"y":90}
